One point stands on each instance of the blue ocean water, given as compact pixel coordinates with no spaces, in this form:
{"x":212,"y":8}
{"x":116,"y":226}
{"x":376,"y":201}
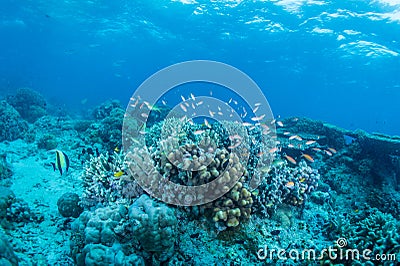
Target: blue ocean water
{"x":338,"y":61}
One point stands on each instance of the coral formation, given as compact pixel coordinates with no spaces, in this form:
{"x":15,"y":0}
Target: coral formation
{"x":7,"y":255}
{"x":101,"y":255}
{"x":97,"y":235}
{"x":176,"y":146}
{"x":20,"y":213}
{"x":29,"y":103}
{"x":372,"y":230}
{"x":285,"y":184}
{"x":7,"y":197}
{"x":106,"y":179}
{"x":69,"y":205}
{"x":105,"y":109}
{"x":47,"y":142}
{"x":386,"y":200}
{"x":12,"y":126}
{"x":154,"y":225}
{"x":107,"y":131}
{"x":330,"y":135}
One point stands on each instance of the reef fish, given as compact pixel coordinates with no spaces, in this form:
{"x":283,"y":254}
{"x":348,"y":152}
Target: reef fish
{"x":119,"y":173}
{"x":62,"y":162}
{"x":332,"y":150}
{"x":290,"y":159}
{"x":308,"y":157}
{"x":289,"y":184}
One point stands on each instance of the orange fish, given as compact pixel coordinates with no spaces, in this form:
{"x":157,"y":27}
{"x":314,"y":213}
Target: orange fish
{"x":308,"y":157}
{"x":290,"y":159}
{"x":289,"y":184}
{"x":316,"y":149}
{"x":328,"y":152}
{"x":310,"y":142}
{"x":273,"y":150}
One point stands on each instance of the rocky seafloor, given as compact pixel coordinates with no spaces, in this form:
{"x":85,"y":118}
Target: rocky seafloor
{"x":327,"y":189}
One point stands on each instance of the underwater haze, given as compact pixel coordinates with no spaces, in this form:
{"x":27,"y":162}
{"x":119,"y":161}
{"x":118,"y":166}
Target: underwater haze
{"x":337,"y":61}
{"x":199,"y":132}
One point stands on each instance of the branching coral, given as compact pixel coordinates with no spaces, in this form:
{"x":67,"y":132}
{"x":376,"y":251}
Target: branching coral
{"x":106,"y":179}
{"x":374,"y":230}
{"x":285,"y":184}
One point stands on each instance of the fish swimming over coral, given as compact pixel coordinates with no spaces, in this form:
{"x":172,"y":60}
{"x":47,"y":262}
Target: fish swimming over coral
{"x":61,"y":163}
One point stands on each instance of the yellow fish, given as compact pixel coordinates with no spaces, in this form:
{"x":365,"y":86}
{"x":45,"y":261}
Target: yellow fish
{"x":119,"y":173}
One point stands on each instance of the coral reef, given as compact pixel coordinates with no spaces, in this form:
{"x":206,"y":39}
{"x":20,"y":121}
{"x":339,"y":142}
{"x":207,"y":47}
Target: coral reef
{"x":19,"y":213}
{"x":5,"y":171}
{"x":107,"y":131}
{"x":47,"y":142}
{"x":176,"y":146}
{"x":7,"y":255}
{"x":285,"y":184}
{"x":29,"y":103}
{"x":305,"y":127}
{"x":100,"y":255}
{"x":97,"y":227}
{"x":106,"y":180}
{"x":105,"y":109}
{"x":372,"y":230}
{"x":12,"y":126}
{"x":7,"y":197}
{"x":96,"y":238}
{"x":154,"y":225}
{"x":386,"y":200}
{"x":69,"y":205}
